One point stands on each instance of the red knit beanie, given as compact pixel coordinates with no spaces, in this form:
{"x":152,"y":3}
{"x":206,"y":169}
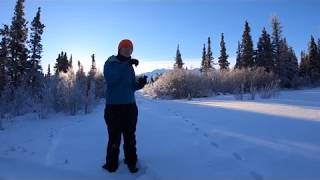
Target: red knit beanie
{"x":125,"y":43}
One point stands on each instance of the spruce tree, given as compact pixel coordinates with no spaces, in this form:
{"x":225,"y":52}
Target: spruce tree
{"x":289,"y":64}
{"x":264,"y":52}
{"x":204,"y":55}
{"x":284,"y":58}
{"x":100,"y":85}
{"x":223,"y":59}
{"x":35,"y":41}
{"x":93,"y":63}
{"x":318,"y":59}
{"x":319,"y":48}
{"x":314,"y":61}
{"x":62,"y":63}
{"x":48,"y":75}
{"x":81,"y":87}
{"x":4,"y":43}
{"x":238,"y":59}
{"x":57,"y":66}
{"x":91,"y":83}
{"x":304,"y":67}
{"x":70,"y":63}
{"x":91,"y":93}
{"x":209,"y":57}
{"x":293,"y":67}
{"x":18,"y":52}
{"x":247,"y":52}
{"x":80,"y":74}
{"x":178,"y":59}
{"x":35,"y":74}
{"x":276,"y":43}
{"x":93,"y":69}
{"x":3,"y":74}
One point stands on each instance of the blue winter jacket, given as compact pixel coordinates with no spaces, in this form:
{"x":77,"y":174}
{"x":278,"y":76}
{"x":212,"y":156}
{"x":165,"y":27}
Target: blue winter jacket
{"x":120,"y":80}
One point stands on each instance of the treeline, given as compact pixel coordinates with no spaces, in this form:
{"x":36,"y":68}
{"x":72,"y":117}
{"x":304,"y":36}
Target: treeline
{"x":273,"y":54}
{"x":24,"y":87}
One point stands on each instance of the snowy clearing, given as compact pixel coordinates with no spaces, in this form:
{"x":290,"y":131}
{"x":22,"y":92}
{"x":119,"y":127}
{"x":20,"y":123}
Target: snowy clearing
{"x":205,"y":138}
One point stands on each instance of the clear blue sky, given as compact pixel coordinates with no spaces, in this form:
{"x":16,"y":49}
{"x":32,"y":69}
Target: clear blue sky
{"x":83,"y":27}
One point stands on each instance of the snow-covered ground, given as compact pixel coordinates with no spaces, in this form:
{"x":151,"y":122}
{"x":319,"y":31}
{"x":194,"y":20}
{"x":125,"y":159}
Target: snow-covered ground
{"x":205,"y":138}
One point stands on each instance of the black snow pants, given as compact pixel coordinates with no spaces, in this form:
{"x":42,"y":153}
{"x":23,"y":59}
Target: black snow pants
{"x":121,"y":120}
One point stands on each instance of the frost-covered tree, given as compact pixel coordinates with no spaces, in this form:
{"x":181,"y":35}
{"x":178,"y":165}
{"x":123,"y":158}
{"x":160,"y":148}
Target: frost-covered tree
{"x":93,"y":69}
{"x":90,"y":95}
{"x":100,"y":87}
{"x":47,"y":100}
{"x":80,"y":87}
{"x":91,"y":86}
{"x":22,"y":100}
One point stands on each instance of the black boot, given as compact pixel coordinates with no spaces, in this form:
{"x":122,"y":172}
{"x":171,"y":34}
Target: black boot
{"x":132,"y":168}
{"x":110,"y":168}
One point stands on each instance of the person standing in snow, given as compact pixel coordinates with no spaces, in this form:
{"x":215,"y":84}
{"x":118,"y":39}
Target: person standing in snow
{"x":121,"y":111}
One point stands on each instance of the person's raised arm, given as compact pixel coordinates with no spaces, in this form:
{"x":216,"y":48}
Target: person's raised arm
{"x":140,"y":82}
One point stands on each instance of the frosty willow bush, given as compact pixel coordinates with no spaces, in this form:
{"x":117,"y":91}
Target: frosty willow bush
{"x":68,"y":92}
{"x":181,"y":83}
{"x":72,"y":92}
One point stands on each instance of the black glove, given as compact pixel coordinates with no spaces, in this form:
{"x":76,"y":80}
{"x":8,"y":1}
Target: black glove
{"x":142,"y":81}
{"x":134,"y":62}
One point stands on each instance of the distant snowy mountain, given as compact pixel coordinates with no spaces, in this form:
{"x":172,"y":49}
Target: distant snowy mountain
{"x":155,"y":73}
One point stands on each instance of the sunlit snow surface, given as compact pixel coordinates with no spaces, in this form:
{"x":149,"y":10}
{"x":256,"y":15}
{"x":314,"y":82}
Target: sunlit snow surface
{"x":205,"y":138}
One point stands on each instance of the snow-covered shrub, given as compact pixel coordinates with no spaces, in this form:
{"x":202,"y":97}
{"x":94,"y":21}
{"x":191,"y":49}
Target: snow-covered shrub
{"x":5,"y":105}
{"x":67,"y":92}
{"x":266,"y":84}
{"x":239,"y":92}
{"x":47,"y":97}
{"x":22,"y":102}
{"x":3,"y":109}
{"x":269,"y":90}
{"x":180,"y":83}
{"x":240,"y":81}
{"x":89,"y":95}
{"x":74,"y":92}
{"x":100,"y":85}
